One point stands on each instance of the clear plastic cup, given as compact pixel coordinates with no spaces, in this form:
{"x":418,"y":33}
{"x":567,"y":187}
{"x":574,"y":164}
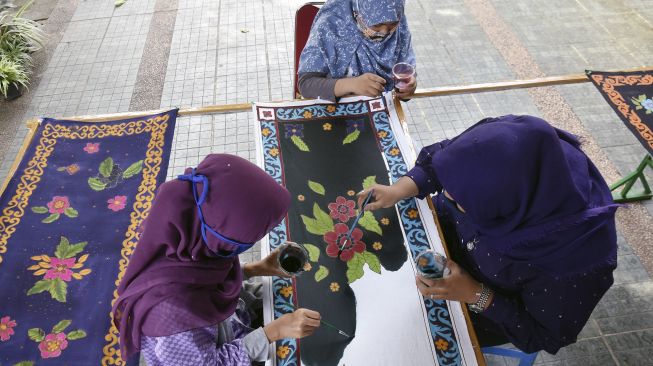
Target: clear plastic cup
{"x":402,"y":73}
{"x":432,"y":265}
{"x":292,"y":258}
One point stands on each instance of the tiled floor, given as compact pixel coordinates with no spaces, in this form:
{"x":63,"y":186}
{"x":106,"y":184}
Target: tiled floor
{"x":232,"y":51}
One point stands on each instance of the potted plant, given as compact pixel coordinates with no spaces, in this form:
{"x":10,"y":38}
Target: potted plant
{"x":19,"y":37}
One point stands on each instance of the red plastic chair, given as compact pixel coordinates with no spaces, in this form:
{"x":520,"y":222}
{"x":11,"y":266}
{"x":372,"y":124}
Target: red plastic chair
{"x":303,"y":21}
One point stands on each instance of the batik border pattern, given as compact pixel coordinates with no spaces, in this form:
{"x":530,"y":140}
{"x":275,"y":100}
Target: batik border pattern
{"x":437,"y":311}
{"x":607,"y":84}
{"x":48,"y":135}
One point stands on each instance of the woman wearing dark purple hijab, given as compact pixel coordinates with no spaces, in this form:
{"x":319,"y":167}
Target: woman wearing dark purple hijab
{"x":529,"y":223}
{"x":181,"y":301}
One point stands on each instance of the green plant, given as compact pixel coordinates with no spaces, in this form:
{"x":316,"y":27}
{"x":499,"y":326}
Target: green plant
{"x":16,"y":30}
{"x":19,"y":37}
{"x":11,"y":73}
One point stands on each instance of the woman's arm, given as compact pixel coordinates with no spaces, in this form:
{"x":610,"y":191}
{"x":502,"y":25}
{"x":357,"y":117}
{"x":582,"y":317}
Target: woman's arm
{"x":316,"y":85}
{"x":547,"y":314}
{"x":197,"y":346}
{"x":418,"y":182}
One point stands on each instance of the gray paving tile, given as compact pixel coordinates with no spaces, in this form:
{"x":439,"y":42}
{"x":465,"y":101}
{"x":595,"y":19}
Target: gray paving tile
{"x":633,"y":348}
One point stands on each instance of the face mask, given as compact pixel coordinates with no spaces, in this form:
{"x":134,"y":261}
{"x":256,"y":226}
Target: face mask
{"x":368,"y":32}
{"x":232,"y":247}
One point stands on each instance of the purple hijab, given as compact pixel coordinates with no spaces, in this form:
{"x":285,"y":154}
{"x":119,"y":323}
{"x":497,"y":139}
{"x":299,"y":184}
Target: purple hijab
{"x":173,"y":283}
{"x":530,"y":193}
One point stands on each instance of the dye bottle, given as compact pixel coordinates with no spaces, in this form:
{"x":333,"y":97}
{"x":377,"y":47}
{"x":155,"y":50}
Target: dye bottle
{"x":432,"y":265}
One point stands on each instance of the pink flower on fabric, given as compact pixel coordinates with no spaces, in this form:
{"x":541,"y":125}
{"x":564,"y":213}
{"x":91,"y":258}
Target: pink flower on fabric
{"x":60,"y":269}
{"x":58,"y":205}
{"x":6,"y":328}
{"x":342,"y":209}
{"x":52,"y":345}
{"x":117,"y":203}
{"x":335,"y":239}
{"x":92,"y":148}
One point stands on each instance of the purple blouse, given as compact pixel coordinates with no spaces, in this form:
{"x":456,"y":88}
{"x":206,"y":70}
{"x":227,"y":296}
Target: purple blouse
{"x":230,"y":343}
{"x":535,"y":309}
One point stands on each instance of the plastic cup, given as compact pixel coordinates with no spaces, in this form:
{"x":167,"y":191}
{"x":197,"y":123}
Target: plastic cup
{"x":292,"y":258}
{"x":432,"y":265}
{"x":402,"y":73}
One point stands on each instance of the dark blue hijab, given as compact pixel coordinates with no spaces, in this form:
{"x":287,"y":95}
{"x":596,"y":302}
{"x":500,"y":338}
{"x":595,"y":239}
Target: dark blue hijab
{"x":531,"y":193}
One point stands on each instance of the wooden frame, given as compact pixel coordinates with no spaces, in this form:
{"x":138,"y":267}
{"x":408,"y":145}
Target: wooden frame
{"x":246,"y":107}
{"x":472,"y":332}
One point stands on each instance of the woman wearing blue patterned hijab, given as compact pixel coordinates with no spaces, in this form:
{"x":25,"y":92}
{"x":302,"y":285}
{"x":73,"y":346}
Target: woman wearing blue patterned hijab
{"x":352,"y":48}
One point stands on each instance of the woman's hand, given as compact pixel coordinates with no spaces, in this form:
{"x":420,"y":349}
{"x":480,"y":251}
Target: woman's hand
{"x":268,"y":266}
{"x":387,"y":196}
{"x":409,"y":90}
{"x":298,"y":324}
{"x":368,"y":84}
{"x":382,"y":197}
{"x":458,"y":286}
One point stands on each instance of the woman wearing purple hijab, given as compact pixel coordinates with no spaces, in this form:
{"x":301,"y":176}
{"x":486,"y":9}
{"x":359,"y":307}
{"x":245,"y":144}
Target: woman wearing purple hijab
{"x":529,"y":223}
{"x":181,"y":301}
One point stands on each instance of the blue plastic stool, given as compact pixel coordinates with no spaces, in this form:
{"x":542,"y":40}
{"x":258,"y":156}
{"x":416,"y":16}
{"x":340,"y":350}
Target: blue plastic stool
{"x":525,"y":359}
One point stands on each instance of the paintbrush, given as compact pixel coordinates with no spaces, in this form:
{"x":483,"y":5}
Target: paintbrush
{"x":358,"y":217}
{"x":330,"y":326}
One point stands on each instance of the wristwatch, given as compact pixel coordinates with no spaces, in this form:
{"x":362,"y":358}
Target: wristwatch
{"x":484,"y":296}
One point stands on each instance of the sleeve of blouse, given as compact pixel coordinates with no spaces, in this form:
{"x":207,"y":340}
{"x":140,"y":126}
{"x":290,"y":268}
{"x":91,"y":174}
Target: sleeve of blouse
{"x":198,"y":347}
{"x":423,"y":174}
{"x":316,"y":85}
{"x":550,"y":312}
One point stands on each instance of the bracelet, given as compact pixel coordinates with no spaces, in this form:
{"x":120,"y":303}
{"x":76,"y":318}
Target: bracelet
{"x":480,"y":305}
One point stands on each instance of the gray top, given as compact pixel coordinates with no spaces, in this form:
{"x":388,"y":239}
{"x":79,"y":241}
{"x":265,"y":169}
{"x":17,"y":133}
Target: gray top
{"x":315,"y":85}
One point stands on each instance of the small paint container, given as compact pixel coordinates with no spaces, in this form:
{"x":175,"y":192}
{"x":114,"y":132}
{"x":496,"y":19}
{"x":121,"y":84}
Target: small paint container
{"x":432,"y":265}
{"x":293,"y":258}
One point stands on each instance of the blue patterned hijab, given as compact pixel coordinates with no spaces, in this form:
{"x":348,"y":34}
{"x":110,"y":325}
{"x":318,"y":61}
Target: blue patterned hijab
{"x":338,"y":48}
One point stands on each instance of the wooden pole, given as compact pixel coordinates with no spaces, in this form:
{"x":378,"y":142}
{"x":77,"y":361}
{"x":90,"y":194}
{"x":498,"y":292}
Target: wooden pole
{"x":419,"y":93}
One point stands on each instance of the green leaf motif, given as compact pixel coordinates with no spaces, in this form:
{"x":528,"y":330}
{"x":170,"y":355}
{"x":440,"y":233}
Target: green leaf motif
{"x":321,"y":273}
{"x":40,"y":209}
{"x":316,"y":187}
{"x":76,"y":334}
{"x":369,"y":181}
{"x":300,"y":143}
{"x":53,"y":217}
{"x":36,"y":334}
{"x":59,"y":290}
{"x":40,"y":286}
{"x":313,"y":252}
{"x":133,"y":169}
{"x":71,"y":212}
{"x":62,"y":248}
{"x":61,"y":326}
{"x":119,"y":3}
{"x":65,"y":250}
{"x":96,"y":184}
{"x":321,"y":224}
{"x":351,"y":137}
{"x":106,"y":167}
{"x":372,"y":261}
{"x":355,"y":267}
{"x":368,"y":221}
{"x":25,"y":363}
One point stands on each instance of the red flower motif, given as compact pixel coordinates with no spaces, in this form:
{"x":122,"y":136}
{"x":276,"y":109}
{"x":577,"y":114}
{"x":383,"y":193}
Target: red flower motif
{"x":92,"y":148}
{"x":52,"y":345}
{"x":337,"y":238}
{"x":58,"y":205}
{"x":117,"y":203}
{"x":60,"y":269}
{"x":6,"y":328}
{"x":342,"y":209}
